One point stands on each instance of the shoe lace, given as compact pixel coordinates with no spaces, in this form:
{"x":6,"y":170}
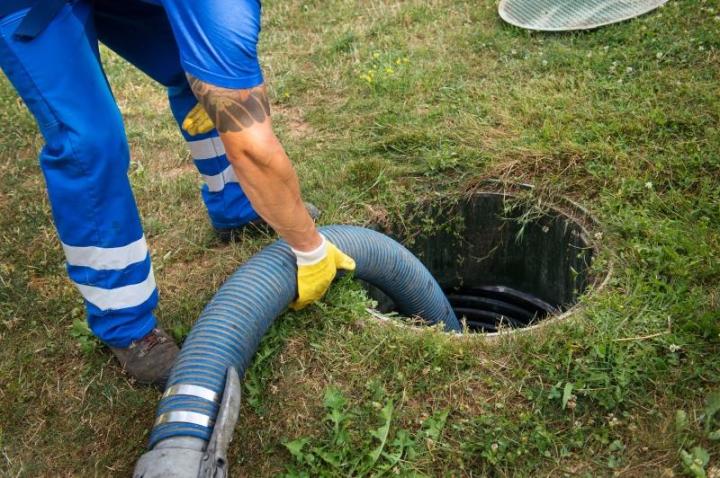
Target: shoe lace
{"x":147,"y":343}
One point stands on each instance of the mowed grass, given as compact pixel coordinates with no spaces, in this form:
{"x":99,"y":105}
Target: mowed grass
{"x":379,"y":104}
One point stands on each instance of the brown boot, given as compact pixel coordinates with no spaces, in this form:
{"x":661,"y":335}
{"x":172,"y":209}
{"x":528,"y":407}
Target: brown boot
{"x":149,"y":359}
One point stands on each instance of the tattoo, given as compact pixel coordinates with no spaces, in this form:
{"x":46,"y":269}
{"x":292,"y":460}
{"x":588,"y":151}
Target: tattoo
{"x":232,"y":110}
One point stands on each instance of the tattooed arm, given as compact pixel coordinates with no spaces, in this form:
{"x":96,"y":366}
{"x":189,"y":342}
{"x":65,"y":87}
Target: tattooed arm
{"x":265,"y":173}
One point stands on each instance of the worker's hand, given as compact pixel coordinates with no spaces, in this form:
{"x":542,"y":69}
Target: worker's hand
{"x":316,"y":271}
{"x":197,"y":121}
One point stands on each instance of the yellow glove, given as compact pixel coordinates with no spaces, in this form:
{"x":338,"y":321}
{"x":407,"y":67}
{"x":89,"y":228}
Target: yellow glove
{"x":316,"y":271}
{"x":197,"y":121}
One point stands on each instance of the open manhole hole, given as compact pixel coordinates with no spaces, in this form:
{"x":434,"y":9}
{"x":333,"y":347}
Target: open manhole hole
{"x":505,"y":261}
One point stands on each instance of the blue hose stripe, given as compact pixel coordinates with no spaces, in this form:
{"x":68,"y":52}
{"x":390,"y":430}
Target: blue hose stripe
{"x":169,"y":430}
{"x":232,"y":324}
{"x":188,"y":404}
{"x":193,"y":379}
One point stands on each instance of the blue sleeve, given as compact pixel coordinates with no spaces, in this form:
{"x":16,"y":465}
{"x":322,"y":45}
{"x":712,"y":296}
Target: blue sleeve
{"x":218,"y":40}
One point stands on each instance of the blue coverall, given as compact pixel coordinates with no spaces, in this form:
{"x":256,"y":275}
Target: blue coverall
{"x":85,"y":159}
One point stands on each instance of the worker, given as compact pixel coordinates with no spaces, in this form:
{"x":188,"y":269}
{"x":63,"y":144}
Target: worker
{"x":205,"y":54}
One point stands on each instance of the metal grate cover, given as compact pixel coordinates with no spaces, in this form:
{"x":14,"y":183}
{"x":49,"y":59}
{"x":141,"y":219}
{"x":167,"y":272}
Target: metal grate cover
{"x":564,"y":15}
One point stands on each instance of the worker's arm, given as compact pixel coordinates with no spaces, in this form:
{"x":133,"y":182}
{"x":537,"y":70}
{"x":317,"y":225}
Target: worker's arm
{"x":242,"y":117}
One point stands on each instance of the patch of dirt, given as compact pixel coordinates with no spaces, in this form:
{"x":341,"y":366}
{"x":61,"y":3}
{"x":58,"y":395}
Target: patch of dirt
{"x":177,"y":171}
{"x":378,"y":215}
{"x":292,"y":120}
{"x":4,"y":201}
{"x":169,"y":162}
{"x":182,"y":278}
{"x":50,"y":287}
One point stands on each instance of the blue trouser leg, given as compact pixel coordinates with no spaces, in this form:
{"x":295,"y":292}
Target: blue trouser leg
{"x":225,"y":200}
{"x":218,"y":39}
{"x":141,"y":33}
{"x":85,"y":161}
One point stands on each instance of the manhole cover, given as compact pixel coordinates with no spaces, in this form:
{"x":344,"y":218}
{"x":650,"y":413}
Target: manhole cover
{"x":564,"y":15}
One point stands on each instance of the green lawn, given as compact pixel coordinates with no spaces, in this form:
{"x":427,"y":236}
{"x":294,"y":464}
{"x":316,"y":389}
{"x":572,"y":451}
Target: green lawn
{"x":379,"y":103}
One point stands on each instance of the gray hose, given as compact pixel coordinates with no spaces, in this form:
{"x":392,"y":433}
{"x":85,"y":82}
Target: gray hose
{"x":229,"y":330}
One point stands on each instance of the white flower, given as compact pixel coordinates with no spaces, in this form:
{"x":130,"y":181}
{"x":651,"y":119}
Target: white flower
{"x":658,"y":55}
{"x":648,"y":185}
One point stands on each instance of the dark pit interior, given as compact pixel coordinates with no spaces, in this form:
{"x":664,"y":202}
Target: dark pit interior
{"x":503,"y":262}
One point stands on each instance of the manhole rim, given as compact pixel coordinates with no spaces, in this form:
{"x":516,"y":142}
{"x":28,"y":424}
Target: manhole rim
{"x":505,"y":17}
{"x":560,"y":205}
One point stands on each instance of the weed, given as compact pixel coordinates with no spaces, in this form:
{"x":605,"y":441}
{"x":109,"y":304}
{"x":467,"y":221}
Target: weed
{"x":349,"y":448}
{"x":86,"y":340}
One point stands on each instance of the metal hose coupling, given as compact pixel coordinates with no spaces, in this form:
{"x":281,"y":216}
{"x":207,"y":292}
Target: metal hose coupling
{"x":188,"y":457}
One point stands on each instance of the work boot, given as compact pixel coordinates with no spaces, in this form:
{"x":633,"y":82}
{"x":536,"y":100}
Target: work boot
{"x":148,"y":360}
{"x":231,"y":234}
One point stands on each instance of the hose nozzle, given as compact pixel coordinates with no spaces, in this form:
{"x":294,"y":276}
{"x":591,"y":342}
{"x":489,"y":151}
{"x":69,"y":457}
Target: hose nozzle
{"x":188,"y":457}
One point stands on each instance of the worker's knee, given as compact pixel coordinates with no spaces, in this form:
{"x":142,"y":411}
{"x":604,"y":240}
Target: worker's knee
{"x":101,"y":150}
{"x":259,"y":145}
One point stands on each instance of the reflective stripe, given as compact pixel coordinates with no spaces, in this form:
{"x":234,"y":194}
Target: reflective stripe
{"x":192,"y":390}
{"x":185,"y":417}
{"x":217,"y":182}
{"x":106,"y":258}
{"x":206,"y":148}
{"x":120,"y":297}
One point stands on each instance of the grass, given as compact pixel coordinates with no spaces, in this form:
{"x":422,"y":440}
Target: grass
{"x":379,"y":103}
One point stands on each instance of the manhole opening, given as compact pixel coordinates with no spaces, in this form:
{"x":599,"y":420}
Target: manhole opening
{"x":505,"y":261}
